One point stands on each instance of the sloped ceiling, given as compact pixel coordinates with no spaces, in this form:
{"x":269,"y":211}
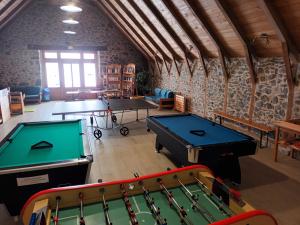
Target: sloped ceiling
{"x":189,"y":29}
{"x":9,"y":8}
{"x":230,"y":27}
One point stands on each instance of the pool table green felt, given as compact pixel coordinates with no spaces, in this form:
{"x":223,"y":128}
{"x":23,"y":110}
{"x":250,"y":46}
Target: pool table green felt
{"x":65,"y":137}
{"x":94,"y":214}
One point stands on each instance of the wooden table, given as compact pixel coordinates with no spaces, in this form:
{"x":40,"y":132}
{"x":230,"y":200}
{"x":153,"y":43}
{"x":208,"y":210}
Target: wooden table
{"x":75,"y":94}
{"x":283,"y":126}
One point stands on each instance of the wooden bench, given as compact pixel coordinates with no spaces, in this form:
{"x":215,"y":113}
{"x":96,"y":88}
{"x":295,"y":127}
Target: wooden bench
{"x":262,"y":128}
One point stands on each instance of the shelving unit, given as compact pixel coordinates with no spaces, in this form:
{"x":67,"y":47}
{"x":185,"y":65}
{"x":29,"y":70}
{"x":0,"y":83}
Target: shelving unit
{"x":114,"y":79}
{"x":103,"y":76}
{"x":128,"y":80}
{"x":16,"y":100}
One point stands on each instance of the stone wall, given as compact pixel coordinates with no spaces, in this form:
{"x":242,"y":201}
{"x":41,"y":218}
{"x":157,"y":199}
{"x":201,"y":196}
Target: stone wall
{"x":40,"y":24}
{"x":271,"y":89}
{"x":183,"y":83}
{"x":239,"y":89}
{"x":215,"y":87}
{"x":296,"y":105}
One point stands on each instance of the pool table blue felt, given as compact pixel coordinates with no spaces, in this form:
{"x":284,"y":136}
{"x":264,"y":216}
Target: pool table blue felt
{"x":181,"y":125}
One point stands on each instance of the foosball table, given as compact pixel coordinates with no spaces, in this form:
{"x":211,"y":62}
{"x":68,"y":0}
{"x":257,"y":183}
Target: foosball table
{"x":189,"y":195}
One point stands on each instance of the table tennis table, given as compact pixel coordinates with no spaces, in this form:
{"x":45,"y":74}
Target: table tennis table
{"x":103,"y":108}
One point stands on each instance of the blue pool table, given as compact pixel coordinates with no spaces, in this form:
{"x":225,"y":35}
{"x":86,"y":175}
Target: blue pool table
{"x":192,"y":139}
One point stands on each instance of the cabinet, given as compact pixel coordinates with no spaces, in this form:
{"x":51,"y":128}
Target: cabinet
{"x":16,"y":100}
{"x":128,"y":80}
{"x":4,"y":105}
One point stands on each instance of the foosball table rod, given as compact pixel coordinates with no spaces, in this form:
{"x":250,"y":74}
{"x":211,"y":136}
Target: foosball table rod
{"x":55,"y":218}
{"x":193,"y":198}
{"x":218,"y":204}
{"x":81,"y":221}
{"x":172,"y":201}
{"x":130,"y":211}
{"x":105,"y":209}
{"x":150,"y":202}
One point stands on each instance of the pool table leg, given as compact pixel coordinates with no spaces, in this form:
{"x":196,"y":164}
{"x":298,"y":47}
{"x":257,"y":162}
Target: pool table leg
{"x":227,"y":168}
{"x":158,"y":146}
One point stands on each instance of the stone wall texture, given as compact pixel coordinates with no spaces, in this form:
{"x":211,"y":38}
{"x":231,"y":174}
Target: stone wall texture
{"x":239,"y":89}
{"x":271,"y":89}
{"x":192,"y":87}
{"x":40,"y":23}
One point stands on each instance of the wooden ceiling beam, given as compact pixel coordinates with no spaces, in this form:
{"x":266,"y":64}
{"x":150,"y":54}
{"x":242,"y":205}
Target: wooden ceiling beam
{"x":199,"y":14}
{"x":125,"y":31}
{"x":196,"y":9}
{"x":110,"y":7}
{"x":137,"y":9}
{"x":278,"y":25}
{"x":188,"y":30}
{"x":238,"y":30}
{"x":142,"y":29}
{"x":248,"y":49}
{"x":169,"y":29}
{"x":6,"y":5}
{"x":185,"y":26}
{"x":9,"y":11}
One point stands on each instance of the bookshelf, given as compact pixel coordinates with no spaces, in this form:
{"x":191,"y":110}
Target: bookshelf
{"x":114,"y":78}
{"x":128,"y":80}
{"x":16,"y":100}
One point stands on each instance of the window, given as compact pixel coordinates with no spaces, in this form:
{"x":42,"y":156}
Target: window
{"x":74,"y":69}
{"x":90,"y":74}
{"x":70,"y":55}
{"x":89,"y":55}
{"x":51,"y":55}
{"x":71,"y":75}
{"x":52,"y":74}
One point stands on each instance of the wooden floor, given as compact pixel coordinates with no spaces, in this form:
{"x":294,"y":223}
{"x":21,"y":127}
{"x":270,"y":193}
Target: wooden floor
{"x":274,"y":187}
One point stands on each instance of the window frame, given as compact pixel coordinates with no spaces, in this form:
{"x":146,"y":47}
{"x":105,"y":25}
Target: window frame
{"x":61,"y":61}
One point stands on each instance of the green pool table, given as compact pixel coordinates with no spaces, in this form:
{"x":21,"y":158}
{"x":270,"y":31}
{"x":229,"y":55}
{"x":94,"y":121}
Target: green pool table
{"x":40,"y":155}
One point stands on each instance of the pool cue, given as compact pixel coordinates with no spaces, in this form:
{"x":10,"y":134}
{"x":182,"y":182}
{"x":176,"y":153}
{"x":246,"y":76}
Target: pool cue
{"x":218,"y":204}
{"x":81,"y":221}
{"x":150,"y":201}
{"x":130,"y":211}
{"x":55,"y":218}
{"x":105,"y":208}
{"x":204,"y":212}
{"x":172,"y":201}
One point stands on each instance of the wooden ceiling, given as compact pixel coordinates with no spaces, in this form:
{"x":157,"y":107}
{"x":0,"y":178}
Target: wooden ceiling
{"x":176,"y":29}
{"x":191,"y":29}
